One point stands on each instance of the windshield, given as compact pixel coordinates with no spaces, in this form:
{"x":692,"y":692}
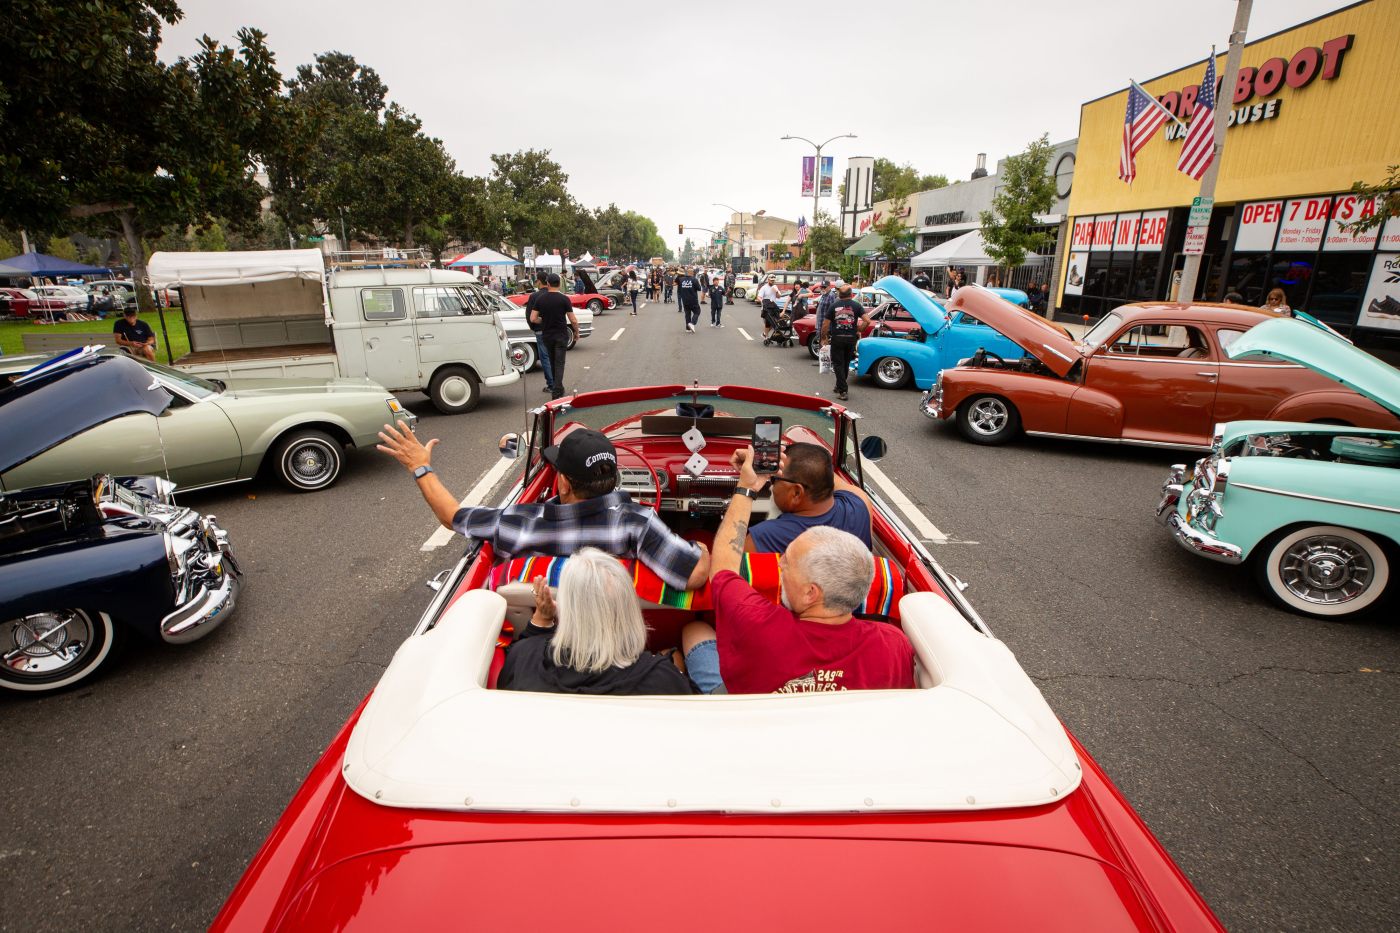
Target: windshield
{"x":602,"y":416}
{"x":1103,"y":329}
{"x":192,"y":385}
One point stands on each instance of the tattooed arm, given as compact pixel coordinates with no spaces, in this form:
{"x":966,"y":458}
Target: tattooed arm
{"x":733,"y":531}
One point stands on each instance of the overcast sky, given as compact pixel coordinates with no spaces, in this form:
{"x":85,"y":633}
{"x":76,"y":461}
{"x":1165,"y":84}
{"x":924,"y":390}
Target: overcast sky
{"x":666,"y":107}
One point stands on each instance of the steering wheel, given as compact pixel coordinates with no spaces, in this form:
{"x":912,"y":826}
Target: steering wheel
{"x":981,"y":355}
{"x":655,"y":476}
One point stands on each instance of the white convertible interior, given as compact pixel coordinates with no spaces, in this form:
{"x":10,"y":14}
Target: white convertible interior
{"x":976,"y":735}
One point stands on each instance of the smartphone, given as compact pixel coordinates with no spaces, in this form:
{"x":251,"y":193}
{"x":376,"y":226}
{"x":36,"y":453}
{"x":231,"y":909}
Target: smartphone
{"x":767,"y":443}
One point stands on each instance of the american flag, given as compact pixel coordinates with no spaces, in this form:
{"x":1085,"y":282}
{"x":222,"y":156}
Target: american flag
{"x":801,"y":230}
{"x":1143,"y":118}
{"x":1199,"y":148}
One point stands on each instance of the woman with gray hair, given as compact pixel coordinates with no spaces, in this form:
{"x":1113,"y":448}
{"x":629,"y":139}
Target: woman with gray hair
{"x":593,"y":641}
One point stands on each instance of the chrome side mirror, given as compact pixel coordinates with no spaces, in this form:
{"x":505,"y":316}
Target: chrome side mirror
{"x":510,"y":446}
{"x":873,"y":448}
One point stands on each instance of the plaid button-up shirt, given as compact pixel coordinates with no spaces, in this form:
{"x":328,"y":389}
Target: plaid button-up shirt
{"x":611,"y":523}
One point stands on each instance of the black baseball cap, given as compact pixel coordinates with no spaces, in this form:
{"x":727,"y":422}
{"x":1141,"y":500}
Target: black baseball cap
{"x":583,"y":455}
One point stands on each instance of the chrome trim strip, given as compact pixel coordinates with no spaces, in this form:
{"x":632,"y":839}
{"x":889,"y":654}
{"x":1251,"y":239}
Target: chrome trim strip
{"x":1303,"y":495}
{"x":1197,"y":361}
{"x":1132,"y":442}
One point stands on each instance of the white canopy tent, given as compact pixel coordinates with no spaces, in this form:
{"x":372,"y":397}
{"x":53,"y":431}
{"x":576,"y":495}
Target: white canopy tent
{"x":485,"y":257}
{"x":966,"y":250}
{"x":548,"y":261}
{"x":251,"y":267}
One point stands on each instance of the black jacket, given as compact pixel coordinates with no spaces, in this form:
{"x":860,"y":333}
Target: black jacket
{"x":530,"y":666}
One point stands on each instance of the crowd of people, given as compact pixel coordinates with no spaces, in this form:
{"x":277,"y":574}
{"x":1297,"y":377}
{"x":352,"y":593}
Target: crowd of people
{"x":591,"y":638}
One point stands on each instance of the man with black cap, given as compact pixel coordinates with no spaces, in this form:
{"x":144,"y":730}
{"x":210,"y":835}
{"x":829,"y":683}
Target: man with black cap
{"x":590,"y":511}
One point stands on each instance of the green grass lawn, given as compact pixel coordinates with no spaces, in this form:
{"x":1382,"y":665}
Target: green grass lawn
{"x":12,"y":345}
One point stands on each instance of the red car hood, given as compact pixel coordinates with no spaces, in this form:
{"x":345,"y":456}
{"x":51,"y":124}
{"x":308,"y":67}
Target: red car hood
{"x":707,"y":884}
{"x":1049,"y":344}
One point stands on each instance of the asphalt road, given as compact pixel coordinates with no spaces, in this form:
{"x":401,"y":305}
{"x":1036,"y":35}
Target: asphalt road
{"x":1259,"y":746}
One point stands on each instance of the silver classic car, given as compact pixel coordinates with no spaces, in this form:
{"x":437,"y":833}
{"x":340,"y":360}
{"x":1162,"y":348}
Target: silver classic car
{"x":216,"y":431}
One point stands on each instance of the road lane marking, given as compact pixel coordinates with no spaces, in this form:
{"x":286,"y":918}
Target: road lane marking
{"x":617,"y":334}
{"x":745,"y":334}
{"x":926,"y":529}
{"x":478,"y":492}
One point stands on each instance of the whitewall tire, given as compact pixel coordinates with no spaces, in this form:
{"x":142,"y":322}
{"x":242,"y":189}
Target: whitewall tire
{"x":1325,"y":571}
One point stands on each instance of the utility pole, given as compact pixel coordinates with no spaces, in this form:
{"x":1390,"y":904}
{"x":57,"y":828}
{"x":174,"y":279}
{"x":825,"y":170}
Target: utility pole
{"x":817,"y":182}
{"x":753,"y":220}
{"x":1224,"y":103}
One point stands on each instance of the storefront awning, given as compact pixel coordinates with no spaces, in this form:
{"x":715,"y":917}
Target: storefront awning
{"x":868,"y":245}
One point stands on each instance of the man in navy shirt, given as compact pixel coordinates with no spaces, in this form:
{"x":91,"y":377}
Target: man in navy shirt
{"x":135,"y":335}
{"x":688,"y":291}
{"x":808,"y":493}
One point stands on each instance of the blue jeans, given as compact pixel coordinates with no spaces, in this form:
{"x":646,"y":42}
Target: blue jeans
{"x":702,"y":664}
{"x":546,"y":364}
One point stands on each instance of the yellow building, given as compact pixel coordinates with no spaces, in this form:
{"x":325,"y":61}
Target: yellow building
{"x":1316,"y":108}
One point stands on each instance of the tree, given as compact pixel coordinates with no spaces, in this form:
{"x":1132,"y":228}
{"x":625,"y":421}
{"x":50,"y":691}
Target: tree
{"x":825,"y":241}
{"x":96,"y":128}
{"x":528,"y":188}
{"x":211,"y":239}
{"x":1027,"y":189}
{"x":687,"y":252}
{"x":60,"y":247}
{"x":8,"y":247}
{"x":899,"y":181}
{"x":1387,"y":195}
{"x":899,"y":239}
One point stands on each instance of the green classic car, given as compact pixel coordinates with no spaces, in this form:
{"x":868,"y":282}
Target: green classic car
{"x":217,"y":432}
{"x":1314,"y":507}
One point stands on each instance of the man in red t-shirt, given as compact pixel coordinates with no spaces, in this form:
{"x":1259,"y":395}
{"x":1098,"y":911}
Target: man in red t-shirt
{"x":809,"y":644}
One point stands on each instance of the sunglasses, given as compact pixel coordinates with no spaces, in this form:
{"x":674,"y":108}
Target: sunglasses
{"x":779,"y":478}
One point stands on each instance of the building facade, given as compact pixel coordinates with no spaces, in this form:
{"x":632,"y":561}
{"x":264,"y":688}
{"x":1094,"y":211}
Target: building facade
{"x":1315,"y":109}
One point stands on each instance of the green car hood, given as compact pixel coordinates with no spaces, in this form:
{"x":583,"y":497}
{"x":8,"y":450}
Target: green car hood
{"x":1299,"y":342}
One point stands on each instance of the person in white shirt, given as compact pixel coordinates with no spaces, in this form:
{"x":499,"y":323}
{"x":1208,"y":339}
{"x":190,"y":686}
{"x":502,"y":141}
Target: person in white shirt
{"x":768,"y":297}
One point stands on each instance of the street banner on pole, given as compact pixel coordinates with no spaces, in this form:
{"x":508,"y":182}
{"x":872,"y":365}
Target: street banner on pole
{"x":809,"y":175}
{"x":827,"y":168}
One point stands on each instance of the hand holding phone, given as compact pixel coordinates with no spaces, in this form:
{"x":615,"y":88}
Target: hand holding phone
{"x":767,"y":443}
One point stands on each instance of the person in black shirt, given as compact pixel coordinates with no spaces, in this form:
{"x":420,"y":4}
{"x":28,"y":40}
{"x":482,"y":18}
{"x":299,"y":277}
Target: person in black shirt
{"x":594,"y":642}
{"x":716,"y":300}
{"x":135,"y":335}
{"x":921,"y":281}
{"x":546,"y":364}
{"x":554,"y":313}
{"x":688,"y":292}
{"x":841,"y":330}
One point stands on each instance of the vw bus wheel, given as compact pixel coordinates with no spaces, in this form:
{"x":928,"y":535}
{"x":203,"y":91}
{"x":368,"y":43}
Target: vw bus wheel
{"x":47,"y":651}
{"x":454,"y":391}
{"x":988,"y":419}
{"x":1325,"y":571}
{"x":308,"y":460}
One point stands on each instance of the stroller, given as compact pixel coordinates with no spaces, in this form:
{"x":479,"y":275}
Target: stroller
{"x":781,"y":335}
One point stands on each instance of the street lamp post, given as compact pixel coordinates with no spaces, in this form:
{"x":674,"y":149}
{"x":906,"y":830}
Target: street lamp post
{"x":817,"y":180}
{"x":754,"y":222}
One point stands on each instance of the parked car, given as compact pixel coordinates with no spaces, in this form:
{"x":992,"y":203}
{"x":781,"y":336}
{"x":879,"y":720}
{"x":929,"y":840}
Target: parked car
{"x":592,"y":303}
{"x":746,"y":284}
{"x":25,"y":302}
{"x":85,"y":563}
{"x":123,"y":290}
{"x":940,"y":338}
{"x":217,"y":432}
{"x":1314,"y":508}
{"x":438,"y":775}
{"x":890,"y":319}
{"x":1154,"y":375}
{"x":608,"y":287}
{"x":73,"y":298}
{"x":524,"y":352}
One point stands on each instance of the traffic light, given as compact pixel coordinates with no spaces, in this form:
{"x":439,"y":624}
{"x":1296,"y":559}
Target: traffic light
{"x":680,"y":228}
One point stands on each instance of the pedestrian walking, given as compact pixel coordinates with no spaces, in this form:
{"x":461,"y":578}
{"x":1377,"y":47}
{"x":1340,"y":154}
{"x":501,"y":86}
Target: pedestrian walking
{"x":669,"y":281}
{"x":555,"y":315}
{"x":729,"y":279}
{"x":840,"y":331}
{"x":541,"y":354}
{"x":688,"y":295}
{"x":716,"y":300}
{"x":768,"y":297}
{"x":634,"y":286}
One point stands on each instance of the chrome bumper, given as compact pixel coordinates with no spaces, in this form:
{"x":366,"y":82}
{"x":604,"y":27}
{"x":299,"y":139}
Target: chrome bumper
{"x":504,"y":379}
{"x":1192,"y":539}
{"x":203,"y":613}
{"x":931,"y":403}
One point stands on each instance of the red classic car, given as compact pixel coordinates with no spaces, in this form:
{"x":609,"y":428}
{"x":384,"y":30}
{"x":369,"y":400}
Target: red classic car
{"x":593,"y":301}
{"x":23,"y":302}
{"x":962,"y":803}
{"x":1148,"y":374}
{"x":890,"y":320}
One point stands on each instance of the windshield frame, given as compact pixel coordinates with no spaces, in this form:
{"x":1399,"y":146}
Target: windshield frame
{"x":1108,"y":324}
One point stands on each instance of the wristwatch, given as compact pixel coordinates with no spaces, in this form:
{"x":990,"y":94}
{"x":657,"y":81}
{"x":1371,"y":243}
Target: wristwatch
{"x":422,"y":471}
{"x":745,"y":491}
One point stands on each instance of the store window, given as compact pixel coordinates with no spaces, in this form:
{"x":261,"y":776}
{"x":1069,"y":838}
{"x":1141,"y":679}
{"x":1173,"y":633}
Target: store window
{"x":1292,"y":272}
{"x":1249,"y":275}
{"x":1146,"y":269}
{"x":1117,"y":281}
{"x":1096,"y":276}
{"x":1338,"y":286}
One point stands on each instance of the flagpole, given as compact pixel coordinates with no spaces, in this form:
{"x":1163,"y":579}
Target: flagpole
{"x":1158,"y":104}
{"x":1224,"y":103}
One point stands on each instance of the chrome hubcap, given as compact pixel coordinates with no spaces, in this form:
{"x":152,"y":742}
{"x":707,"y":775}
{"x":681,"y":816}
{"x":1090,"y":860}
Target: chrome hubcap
{"x":987,"y":416}
{"x":891,"y":370}
{"x":456,"y":391}
{"x":40,"y":644}
{"x":1326,"y":570}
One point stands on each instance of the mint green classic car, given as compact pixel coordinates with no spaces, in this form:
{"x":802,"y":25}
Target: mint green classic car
{"x":217,"y":431}
{"x":1315,"y":507}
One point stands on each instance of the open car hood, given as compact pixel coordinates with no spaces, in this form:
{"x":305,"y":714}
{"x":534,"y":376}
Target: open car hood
{"x":1049,"y":344}
{"x":588,"y":287}
{"x":70,"y":398}
{"x":921,"y":307}
{"x":1321,"y":351}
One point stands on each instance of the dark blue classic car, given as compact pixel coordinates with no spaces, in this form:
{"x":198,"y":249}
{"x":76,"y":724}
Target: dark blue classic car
{"x":83,"y":564}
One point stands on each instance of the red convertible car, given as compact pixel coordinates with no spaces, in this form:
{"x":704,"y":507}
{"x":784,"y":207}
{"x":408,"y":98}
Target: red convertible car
{"x":890,"y":320}
{"x":1154,"y":375}
{"x":593,"y":300}
{"x":962,"y":803}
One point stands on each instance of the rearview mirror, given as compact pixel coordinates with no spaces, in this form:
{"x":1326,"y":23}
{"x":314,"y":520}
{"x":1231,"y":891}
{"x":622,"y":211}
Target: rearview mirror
{"x":510,"y":446}
{"x":873,"y":448}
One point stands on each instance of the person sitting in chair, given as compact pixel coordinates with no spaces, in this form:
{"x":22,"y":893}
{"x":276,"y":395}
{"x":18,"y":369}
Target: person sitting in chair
{"x":593,"y":641}
{"x":135,"y":336}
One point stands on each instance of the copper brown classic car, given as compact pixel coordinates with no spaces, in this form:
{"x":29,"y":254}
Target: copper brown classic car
{"x":1149,"y":374}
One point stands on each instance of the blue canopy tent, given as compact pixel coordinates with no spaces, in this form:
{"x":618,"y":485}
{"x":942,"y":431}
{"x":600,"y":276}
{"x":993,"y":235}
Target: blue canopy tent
{"x":42,"y":265}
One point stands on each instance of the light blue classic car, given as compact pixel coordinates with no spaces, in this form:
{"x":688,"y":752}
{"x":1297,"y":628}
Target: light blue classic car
{"x":1314,"y":507}
{"x":941,"y":340}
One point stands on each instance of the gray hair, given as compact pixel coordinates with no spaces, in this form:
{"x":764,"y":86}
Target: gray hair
{"x":840,"y":564}
{"x":599,"y":619}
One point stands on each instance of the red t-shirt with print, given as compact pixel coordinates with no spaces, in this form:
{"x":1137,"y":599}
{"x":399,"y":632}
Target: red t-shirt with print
{"x":766,"y":648}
